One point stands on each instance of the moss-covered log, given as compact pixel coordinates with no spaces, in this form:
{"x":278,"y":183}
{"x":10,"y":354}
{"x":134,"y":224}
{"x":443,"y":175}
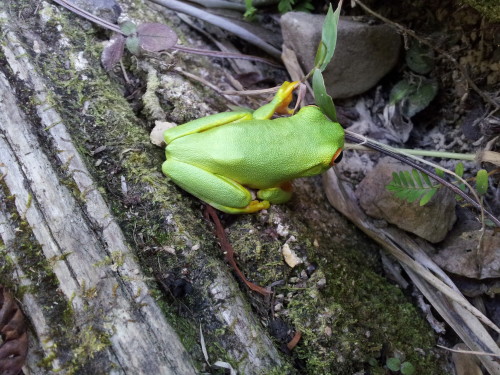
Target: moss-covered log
{"x":109,"y":258}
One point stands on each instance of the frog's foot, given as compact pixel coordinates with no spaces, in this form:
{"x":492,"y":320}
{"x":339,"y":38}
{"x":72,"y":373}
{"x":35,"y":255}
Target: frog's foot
{"x":253,"y":206}
{"x":279,"y":104}
{"x":277,"y":195}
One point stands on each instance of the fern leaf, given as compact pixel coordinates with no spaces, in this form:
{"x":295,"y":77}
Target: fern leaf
{"x":426,"y":179}
{"x":409,"y":179}
{"x":416,"y":177}
{"x":412,"y":186}
{"x":427,"y":197}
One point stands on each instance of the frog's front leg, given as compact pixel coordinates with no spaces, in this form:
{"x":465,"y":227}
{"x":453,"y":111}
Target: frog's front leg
{"x":276,"y":195}
{"x":218,"y":191}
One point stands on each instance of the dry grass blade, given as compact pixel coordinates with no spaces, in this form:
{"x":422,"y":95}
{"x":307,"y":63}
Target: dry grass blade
{"x":14,"y":348}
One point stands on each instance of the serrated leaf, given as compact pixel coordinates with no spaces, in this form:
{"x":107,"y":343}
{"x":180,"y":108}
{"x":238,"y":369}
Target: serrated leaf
{"x":459,"y":169}
{"x":416,"y":177}
{"x":113,"y":51}
{"x":155,"y":37}
{"x":328,"y":37}
{"x":321,"y":97}
{"x":427,"y":197}
{"x":482,"y":181}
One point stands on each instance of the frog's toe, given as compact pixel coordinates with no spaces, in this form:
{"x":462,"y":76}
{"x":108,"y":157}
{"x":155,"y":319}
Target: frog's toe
{"x":253,"y":206}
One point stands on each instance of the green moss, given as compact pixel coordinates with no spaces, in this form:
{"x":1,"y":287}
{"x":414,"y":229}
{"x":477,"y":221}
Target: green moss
{"x":488,"y":8}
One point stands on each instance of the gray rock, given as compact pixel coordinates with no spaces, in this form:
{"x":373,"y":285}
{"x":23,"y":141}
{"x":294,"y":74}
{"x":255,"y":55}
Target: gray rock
{"x":110,"y":10}
{"x":431,"y":222}
{"x":364,"y":53}
{"x":470,"y":256}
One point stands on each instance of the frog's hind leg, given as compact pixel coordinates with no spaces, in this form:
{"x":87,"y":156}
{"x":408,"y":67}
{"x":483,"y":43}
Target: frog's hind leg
{"x":218,"y":191}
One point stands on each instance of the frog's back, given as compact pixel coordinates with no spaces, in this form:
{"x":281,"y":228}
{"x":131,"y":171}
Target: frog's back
{"x":264,"y":153}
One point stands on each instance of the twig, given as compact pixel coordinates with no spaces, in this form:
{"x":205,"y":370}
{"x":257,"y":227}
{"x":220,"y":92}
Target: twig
{"x":229,"y":251}
{"x":440,"y":51}
{"x":468,"y":351}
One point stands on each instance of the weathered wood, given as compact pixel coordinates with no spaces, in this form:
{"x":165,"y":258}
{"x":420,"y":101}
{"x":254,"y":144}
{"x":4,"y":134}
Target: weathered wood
{"x":88,"y":235}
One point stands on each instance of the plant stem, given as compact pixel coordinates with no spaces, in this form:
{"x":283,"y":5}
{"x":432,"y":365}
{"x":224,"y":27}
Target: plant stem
{"x":430,"y":153}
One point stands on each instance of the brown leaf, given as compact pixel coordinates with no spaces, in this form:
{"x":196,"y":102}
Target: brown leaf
{"x":155,"y":37}
{"x":113,"y":51}
{"x":13,"y":331}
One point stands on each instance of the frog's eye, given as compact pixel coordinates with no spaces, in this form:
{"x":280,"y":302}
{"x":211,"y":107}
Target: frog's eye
{"x":337,"y":157}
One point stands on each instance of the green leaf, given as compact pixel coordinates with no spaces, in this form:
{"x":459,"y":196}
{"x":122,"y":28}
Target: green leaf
{"x":427,"y":197}
{"x":439,"y":172}
{"x":459,"y":169}
{"x":285,"y":5}
{"x":401,"y":90}
{"x":409,"y":179}
{"x":420,"y":99}
{"x":416,"y":177}
{"x":407,"y":368}
{"x":133,"y":45}
{"x":426,"y":178}
{"x":250,"y":10}
{"x":413,"y":95}
{"x":395,"y":178}
{"x":323,"y":100}
{"x":128,"y":28}
{"x":402,"y":177}
{"x":328,"y":38}
{"x":420,"y":58}
{"x":393,"y":364}
{"x":482,"y":181}
{"x":304,"y":6}
{"x":413,"y":195}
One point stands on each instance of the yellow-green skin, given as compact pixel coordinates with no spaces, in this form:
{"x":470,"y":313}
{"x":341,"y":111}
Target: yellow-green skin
{"x":217,"y":157}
